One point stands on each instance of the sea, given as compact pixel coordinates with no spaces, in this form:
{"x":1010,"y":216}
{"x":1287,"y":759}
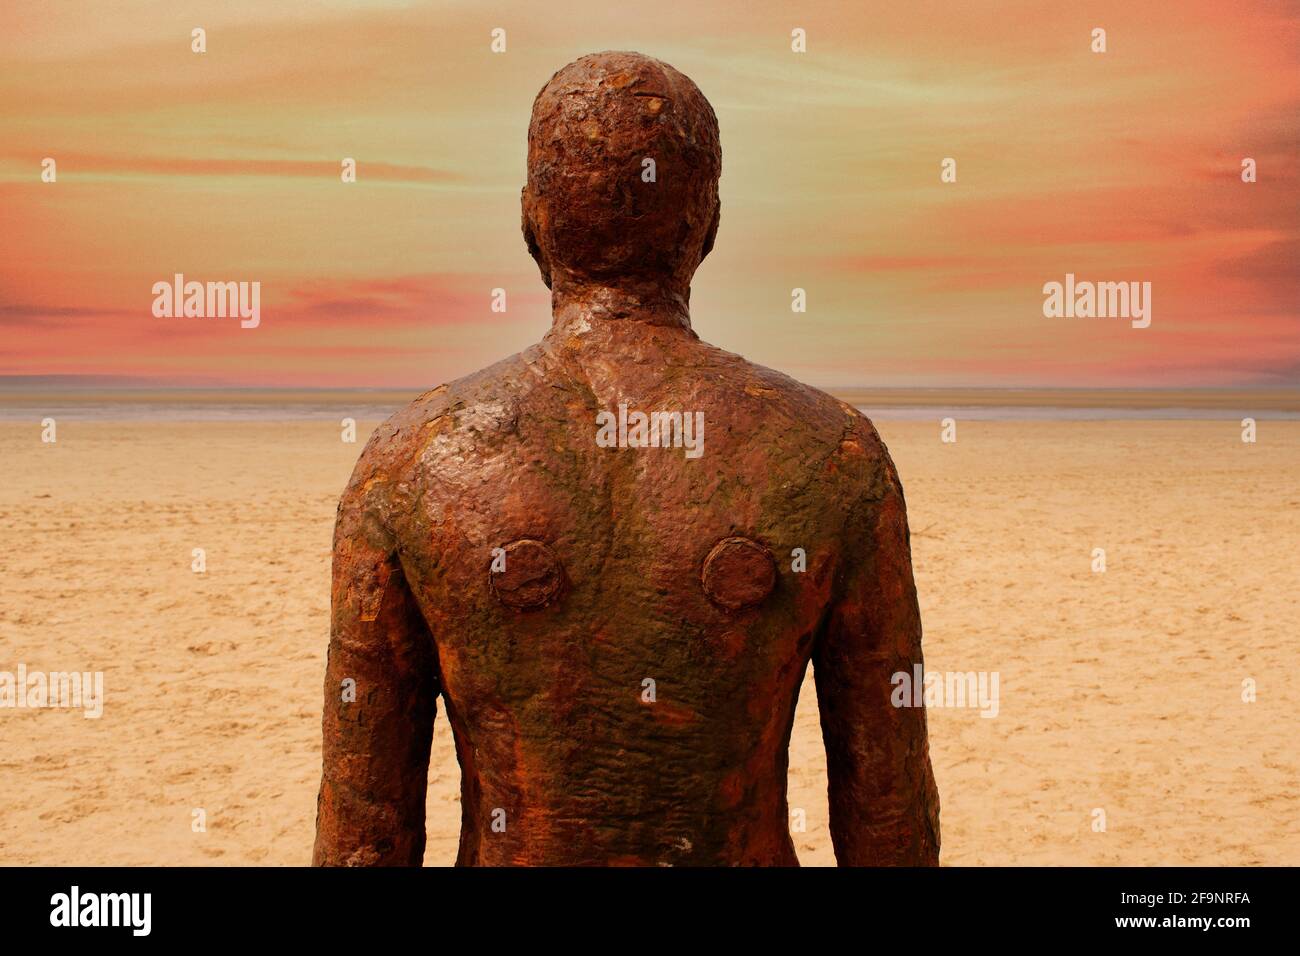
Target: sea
{"x":366,"y":406}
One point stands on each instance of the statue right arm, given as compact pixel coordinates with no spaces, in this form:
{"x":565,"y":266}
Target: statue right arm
{"x":380,"y":701}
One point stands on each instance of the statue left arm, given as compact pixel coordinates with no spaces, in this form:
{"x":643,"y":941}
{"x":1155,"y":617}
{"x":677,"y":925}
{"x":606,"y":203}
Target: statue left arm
{"x":884,"y":806}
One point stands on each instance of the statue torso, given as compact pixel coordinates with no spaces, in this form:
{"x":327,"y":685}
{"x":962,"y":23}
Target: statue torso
{"x":622,"y":632}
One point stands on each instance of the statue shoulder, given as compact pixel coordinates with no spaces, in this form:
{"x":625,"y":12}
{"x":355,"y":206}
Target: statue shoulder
{"x":455,"y":423}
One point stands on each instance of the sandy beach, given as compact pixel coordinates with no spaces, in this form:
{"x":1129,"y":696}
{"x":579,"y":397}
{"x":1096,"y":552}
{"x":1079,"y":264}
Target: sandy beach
{"x":1119,"y":691}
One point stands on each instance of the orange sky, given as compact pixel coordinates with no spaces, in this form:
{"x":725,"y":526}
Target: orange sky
{"x":225,"y":166}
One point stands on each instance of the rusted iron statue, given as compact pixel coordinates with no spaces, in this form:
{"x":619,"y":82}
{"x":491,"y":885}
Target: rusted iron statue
{"x":617,"y":612}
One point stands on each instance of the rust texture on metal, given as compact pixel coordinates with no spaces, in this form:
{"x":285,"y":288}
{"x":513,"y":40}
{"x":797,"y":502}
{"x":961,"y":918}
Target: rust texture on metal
{"x":621,"y":684}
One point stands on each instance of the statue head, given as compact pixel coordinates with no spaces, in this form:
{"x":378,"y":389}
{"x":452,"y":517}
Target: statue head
{"x":623,"y":167}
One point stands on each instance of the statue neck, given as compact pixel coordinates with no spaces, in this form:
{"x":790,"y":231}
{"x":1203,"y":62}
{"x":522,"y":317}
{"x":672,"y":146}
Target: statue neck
{"x":582,"y":306}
